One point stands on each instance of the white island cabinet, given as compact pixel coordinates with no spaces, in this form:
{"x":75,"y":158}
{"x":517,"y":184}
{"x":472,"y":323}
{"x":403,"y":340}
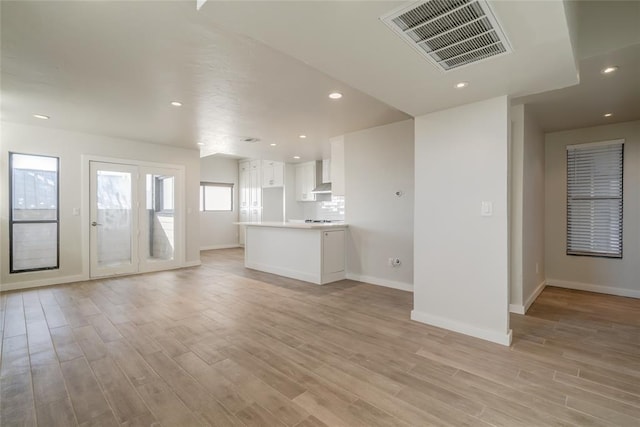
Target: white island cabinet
{"x":311,"y":252}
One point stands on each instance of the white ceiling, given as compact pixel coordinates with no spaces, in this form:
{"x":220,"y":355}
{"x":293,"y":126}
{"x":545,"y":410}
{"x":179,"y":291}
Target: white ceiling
{"x":608,"y":34}
{"x":347,"y":40}
{"x":585,"y":104}
{"x":264,"y":69}
{"x":113,"y":68}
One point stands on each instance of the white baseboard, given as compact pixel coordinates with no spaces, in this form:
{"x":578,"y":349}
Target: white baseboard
{"x":534,"y":295}
{"x":209,"y":248}
{"x":286,"y":272}
{"x":463,"y":328}
{"x":195,"y":263}
{"x":43,"y":282}
{"x":516,"y":308}
{"x":621,"y":292}
{"x":78,"y":278}
{"x":381,"y":282}
{"x":522,"y":309}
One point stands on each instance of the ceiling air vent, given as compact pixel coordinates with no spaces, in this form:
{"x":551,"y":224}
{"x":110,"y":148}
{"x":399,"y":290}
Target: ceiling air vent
{"x":249,"y":139}
{"x":450,"y":33}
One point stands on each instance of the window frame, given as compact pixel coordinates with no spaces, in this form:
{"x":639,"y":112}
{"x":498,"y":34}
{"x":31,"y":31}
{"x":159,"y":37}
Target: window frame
{"x":569,"y":252}
{"x":12,"y":221}
{"x":204,"y":184}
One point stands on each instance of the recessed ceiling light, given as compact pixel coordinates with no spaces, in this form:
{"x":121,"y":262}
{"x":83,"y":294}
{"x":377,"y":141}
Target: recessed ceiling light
{"x":461,"y":85}
{"x":273,"y":144}
{"x":335,"y":95}
{"x":609,"y":70}
{"x":302,"y":136}
{"x":41,"y":116}
{"x":200,"y":143}
{"x":296,"y":157}
{"x":176,"y":103}
{"x":608,"y":115}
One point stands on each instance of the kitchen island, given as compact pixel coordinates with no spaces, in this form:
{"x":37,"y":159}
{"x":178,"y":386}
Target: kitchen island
{"x":313,"y":252}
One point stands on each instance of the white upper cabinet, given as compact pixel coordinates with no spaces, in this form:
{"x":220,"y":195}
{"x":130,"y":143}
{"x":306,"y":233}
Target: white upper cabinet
{"x":337,"y":165}
{"x":255,"y":189}
{"x":326,"y":170}
{"x":305,"y":181}
{"x":244,"y":185}
{"x":272,"y":174}
{"x":250,"y":187}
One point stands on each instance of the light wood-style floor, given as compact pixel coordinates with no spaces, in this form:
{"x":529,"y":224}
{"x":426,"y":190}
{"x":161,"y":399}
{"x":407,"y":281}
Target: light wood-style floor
{"x":227,"y":346}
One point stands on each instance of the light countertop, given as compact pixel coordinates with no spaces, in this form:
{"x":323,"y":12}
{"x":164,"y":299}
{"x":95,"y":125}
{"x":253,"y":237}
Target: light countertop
{"x":301,"y":225}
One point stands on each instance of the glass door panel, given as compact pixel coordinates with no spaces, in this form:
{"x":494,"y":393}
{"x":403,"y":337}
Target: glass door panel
{"x":160,"y":236}
{"x":113,"y":219}
{"x":160,"y":215}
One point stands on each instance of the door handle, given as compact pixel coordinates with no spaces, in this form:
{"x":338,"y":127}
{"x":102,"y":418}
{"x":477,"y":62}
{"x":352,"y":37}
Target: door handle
{"x":95,"y":224}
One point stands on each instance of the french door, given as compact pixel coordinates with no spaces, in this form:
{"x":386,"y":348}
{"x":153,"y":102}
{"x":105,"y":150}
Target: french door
{"x":134,"y":218}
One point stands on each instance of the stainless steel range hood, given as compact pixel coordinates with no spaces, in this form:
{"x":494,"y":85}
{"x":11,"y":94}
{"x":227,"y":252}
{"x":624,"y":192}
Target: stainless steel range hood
{"x":325,"y":186}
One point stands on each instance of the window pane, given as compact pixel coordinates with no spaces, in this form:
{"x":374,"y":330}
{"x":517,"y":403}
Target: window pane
{"x":217,"y":198}
{"x":160,"y":203}
{"x":35,"y":187}
{"x":595,"y":199}
{"x":595,"y":227}
{"x":167,"y":194}
{"x":150,"y":189}
{"x":35,"y":246}
{"x":114,"y":214}
{"x":114,"y":190}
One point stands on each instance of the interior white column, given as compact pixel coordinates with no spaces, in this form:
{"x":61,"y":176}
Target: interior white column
{"x":461,"y":275}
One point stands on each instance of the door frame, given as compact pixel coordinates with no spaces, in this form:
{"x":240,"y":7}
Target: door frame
{"x":85,"y":210}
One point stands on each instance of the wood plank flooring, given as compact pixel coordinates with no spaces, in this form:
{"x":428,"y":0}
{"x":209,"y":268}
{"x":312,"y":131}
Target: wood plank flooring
{"x":225,"y":346}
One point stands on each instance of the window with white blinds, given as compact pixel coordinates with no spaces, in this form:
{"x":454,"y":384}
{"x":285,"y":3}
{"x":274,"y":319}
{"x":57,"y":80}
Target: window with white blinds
{"x":594,"y":199}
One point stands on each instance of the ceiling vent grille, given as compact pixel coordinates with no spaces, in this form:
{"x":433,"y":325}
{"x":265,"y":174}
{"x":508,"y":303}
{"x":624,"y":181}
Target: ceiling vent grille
{"x":450,"y":33}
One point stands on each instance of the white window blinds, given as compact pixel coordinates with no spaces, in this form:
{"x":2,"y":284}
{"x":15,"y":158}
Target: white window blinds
{"x":594,"y":199}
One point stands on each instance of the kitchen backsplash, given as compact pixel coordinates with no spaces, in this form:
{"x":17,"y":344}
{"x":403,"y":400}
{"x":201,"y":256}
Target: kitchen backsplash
{"x":332,"y":209}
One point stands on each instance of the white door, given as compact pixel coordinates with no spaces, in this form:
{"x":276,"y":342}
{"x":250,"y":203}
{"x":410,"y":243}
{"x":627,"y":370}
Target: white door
{"x":114,"y":219}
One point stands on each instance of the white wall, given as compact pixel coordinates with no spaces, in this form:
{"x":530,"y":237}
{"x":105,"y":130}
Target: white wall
{"x":69,"y":147}
{"x":379,"y":162}
{"x":527,"y":209}
{"x":613,"y":276}
{"x":462,"y":258}
{"x":216,"y":228}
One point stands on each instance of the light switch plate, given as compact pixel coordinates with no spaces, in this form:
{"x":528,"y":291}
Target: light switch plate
{"x":486,"y":208}
{"x":75,"y":211}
